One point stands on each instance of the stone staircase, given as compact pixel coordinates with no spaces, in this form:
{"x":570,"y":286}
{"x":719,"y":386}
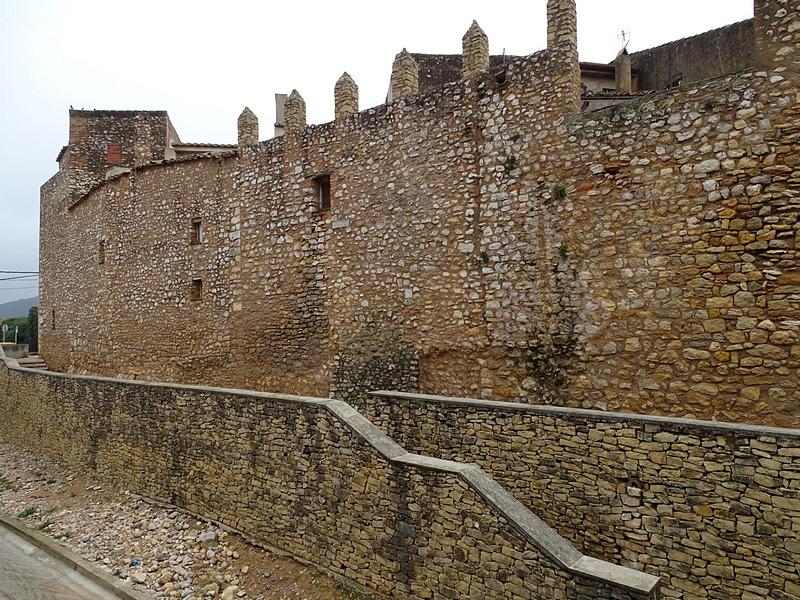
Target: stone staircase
{"x":32,"y":361}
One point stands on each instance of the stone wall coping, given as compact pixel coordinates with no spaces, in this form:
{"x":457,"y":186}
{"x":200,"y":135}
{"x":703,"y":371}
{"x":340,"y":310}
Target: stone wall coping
{"x":535,"y":531}
{"x":672,"y":423}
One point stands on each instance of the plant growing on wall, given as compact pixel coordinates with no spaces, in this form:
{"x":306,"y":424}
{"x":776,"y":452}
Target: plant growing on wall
{"x":559,"y":192}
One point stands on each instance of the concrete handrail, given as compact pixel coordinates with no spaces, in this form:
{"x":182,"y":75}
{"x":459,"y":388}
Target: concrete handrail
{"x":722,"y":427}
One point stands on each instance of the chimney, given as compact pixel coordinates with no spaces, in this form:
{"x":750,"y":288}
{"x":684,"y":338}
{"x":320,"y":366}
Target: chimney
{"x":280,"y":100}
{"x":622,"y":72}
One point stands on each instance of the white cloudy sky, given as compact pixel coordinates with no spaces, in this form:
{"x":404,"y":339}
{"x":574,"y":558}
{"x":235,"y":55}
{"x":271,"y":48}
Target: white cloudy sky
{"x":203,"y":61}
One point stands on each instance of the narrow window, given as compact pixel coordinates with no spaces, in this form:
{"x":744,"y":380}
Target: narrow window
{"x":197,"y":289}
{"x":197,"y":231}
{"x":53,"y":319}
{"x":322,"y":188}
{"x":101,"y":252}
{"x":114,"y":154}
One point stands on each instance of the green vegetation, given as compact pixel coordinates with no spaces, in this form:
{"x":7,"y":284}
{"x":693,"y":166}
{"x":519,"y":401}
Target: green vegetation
{"x":33,"y":329}
{"x":5,"y":483}
{"x":27,"y":512}
{"x":559,"y":192}
{"x":63,"y":536}
{"x":28,"y":329}
{"x":46,"y":526}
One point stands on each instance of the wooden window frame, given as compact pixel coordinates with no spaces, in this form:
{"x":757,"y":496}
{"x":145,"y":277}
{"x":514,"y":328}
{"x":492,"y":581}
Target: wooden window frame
{"x":196,"y":234}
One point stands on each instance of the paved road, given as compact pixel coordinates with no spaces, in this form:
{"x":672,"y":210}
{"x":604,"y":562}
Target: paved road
{"x":28,"y":573}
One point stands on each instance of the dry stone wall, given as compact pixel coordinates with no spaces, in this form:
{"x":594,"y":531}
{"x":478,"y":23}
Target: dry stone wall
{"x":312,"y":477}
{"x":643,"y":257}
{"x":714,"y":508}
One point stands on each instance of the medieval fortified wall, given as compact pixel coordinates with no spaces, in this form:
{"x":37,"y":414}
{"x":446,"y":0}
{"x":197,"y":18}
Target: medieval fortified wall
{"x":484,"y":239}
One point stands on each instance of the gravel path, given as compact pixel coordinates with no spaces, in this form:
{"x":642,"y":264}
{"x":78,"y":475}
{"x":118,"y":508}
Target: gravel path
{"x":160,"y":550}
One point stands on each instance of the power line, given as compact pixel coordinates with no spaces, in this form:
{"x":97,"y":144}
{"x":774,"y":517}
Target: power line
{"x":35,"y":287}
{"x":18,"y":277}
{"x":30,"y":272}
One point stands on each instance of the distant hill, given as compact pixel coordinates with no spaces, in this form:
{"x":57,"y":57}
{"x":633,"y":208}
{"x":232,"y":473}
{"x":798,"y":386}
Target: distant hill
{"x":18,"y":308}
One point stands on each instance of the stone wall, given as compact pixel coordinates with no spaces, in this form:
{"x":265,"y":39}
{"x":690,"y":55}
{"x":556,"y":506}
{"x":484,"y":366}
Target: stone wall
{"x":643,"y":257}
{"x":711,"y":54}
{"x":714,"y":508}
{"x":100,"y":140}
{"x":312,"y":477}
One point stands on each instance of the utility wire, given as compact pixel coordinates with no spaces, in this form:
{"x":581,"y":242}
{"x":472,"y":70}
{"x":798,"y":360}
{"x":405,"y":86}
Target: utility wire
{"x":29,"y":272}
{"x":18,"y":277}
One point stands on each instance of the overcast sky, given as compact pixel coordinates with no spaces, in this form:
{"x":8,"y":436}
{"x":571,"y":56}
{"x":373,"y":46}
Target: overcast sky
{"x":204,"y":61}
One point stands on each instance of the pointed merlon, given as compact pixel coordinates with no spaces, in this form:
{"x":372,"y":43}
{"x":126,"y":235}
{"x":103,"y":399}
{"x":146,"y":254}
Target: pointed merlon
{"x":405,"y":76}
{"x":345,"y":96}
{"x":247,"y":126}
{"x":475,"y":47}
{"x":294,"y":112}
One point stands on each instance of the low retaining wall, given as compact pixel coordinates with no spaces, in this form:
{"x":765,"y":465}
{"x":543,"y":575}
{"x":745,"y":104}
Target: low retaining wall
{"x":310,"y":476}
{"x":15,"y":350}
{"x":714,"y":508}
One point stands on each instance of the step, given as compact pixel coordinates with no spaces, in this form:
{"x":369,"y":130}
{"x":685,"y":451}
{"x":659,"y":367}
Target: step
{"x":32,"y":363}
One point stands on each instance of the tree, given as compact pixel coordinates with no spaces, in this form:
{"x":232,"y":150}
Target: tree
{"x":20,"y":322}
{"x":33,"y":329}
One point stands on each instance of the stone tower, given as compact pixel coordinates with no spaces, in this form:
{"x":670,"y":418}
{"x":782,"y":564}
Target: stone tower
{"x":345,"y":97}
{"x":475,"y":47}
{"x":247,"y":126}
{"x":405,"y":76}
{"x":294,"y":113}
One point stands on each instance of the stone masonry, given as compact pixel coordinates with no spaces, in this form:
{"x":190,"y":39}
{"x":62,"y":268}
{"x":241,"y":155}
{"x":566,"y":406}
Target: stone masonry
{"x":345,"y":97}
{"x":475,"y":51}
{"x":313,"y":477}
{"x":295,"y":112}
{"x":483,"y":239}
{"x":247,"y":129}
{"x":405,"y":76}
{"x":713,"y":508}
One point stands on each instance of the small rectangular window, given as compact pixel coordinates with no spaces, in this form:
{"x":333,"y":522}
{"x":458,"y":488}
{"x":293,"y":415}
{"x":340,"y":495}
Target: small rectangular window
{"x":197,"y":231}
{"x":322,"y":187}
{"x":197,"y":289}
{"x":53,"y":319}
{"x":101,"y":252}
